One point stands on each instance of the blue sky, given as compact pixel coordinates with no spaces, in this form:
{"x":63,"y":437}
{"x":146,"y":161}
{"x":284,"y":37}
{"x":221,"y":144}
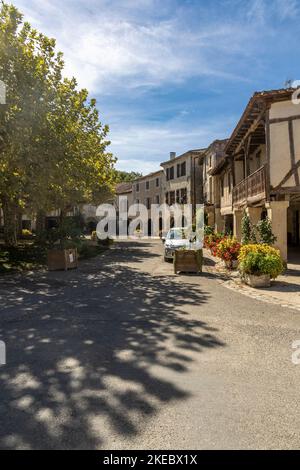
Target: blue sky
{"x":171,"y":75}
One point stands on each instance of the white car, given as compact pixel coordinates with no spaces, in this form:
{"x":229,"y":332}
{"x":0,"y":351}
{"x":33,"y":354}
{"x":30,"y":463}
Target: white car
{"x":178,"y":238}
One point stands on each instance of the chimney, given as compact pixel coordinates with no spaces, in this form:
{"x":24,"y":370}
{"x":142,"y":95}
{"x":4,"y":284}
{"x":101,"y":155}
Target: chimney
{"x":172,"y":155}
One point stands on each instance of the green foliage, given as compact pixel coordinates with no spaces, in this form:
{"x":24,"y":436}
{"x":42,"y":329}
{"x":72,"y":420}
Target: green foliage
{"x":53,"y":146}
{"x":67,"y":235}
{"x":26,"y":256}
{"x":264,"y":229}
{"x":208,"y":230}
{"x":259,"y":233}
{"x":124,"y":176}
{"x":248,"y":233}
{"x":260,"y":259}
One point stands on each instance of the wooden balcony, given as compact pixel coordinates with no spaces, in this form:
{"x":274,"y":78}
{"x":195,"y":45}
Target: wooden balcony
{"x":252,"y":189}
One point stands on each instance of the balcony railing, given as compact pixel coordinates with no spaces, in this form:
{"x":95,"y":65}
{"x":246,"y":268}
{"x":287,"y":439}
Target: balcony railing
{"x":252,"y":188}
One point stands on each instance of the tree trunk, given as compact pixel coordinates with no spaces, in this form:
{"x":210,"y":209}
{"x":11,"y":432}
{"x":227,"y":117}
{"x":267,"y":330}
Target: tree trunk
{"x":40,"y":225}
{"x":19,"y":216}
{"x":62,"y":217}
{"x":10,"y":221}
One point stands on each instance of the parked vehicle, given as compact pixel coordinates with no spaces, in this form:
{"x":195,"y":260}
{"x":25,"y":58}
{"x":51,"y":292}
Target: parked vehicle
{"x":178,"y":238}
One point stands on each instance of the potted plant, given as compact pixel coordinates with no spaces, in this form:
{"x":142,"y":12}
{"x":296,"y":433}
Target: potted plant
{"x":211,"y":241}
{"x":62,"y":242}
{"x":188,"y":260}
{"x":228,"y":250}
{"x":258,"y":264}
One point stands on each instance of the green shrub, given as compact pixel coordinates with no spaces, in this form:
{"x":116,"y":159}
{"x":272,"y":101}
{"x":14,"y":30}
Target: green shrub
{"x":264,"y":229}
{"x":260,"y":259}
{"x":208,"y":230}
{"x":248,"y":230}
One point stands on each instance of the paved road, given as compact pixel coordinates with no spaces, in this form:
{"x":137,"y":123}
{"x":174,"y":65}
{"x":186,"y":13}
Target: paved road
{"x":122,"y":354}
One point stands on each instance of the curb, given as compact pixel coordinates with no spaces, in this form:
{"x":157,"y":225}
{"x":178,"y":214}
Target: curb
{"x":234,"y":284}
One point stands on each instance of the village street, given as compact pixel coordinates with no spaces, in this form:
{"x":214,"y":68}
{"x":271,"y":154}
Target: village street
{"x":122,"y":354}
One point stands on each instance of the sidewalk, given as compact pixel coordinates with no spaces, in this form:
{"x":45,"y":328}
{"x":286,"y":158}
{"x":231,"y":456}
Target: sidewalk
{"x":284,"y":291}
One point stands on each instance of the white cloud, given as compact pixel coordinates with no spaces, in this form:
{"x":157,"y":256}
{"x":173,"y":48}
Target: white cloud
{"x":128,"y":47}
{"x":108,"y":48}
{"x":287,"y":8}
{"x":144,"y":146}
{"x":262,"y":11}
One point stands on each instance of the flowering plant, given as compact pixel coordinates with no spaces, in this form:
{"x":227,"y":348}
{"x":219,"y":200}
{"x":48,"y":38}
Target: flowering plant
{"x":211,"y":241}
{"x":260,"y":259}
{"x":228,"y":249}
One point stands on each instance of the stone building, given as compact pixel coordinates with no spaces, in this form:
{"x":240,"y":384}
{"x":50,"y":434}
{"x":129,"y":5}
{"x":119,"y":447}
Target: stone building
{"x":147,"y":190}
{"x":183,"y":176}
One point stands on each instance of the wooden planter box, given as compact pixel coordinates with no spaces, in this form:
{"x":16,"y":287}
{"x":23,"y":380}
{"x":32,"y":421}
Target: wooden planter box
{"x":188,"y":261}
{"x":258,"y":281}
{"x":62,"y":259}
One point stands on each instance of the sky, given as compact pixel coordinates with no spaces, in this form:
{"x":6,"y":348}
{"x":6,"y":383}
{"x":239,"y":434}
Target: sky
{"x":171,"y":75}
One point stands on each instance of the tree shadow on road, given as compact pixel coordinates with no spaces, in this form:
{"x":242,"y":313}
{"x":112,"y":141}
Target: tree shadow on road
{"x":95,"y":355}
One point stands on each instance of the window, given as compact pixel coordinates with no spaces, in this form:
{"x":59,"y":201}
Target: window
{"x":171,"y":173}
{"x":183,"y":196}
{"x":157,"y":199}
{"x":137,"y":201}
{"x":168,"y":174}
{"x":229,"y":182}
{"x":210,"y":190}
{"x":181,"y":169}
{"x":137,"y":187}
{"x":178,"y":196}
{"x":157,"y":182}
{"x":172,"y":198}
{"x":147,"y":185}
{"x":167,"y":198}
{"x":222,"y":186}
{"x":148,"y":203}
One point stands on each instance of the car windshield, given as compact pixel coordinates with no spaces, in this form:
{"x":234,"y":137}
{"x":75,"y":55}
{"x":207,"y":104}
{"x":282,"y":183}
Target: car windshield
{"x":176,"y":234}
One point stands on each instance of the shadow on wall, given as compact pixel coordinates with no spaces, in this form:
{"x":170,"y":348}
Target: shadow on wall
{"x":88,"y":352}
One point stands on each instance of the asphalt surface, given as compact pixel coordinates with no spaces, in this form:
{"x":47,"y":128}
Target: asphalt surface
{"x":122,"y":354}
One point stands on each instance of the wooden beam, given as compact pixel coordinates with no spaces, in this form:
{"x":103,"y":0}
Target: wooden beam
{"x":268,"y":154}
{"x":289,"y":175}
{"x":287,"y":190}
{"x":292,"y":153}
{"x":252,"y":128}
{"x":285,"y":119}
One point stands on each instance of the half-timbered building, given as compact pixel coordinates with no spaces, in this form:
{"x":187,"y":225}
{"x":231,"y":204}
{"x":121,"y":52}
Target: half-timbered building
{"x":261,"y":170}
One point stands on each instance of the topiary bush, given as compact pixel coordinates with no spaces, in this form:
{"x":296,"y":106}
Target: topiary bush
{"x":264,"y":229}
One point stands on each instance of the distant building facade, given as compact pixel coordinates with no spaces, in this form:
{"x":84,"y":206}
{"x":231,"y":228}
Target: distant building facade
{"x":183,"y":178}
